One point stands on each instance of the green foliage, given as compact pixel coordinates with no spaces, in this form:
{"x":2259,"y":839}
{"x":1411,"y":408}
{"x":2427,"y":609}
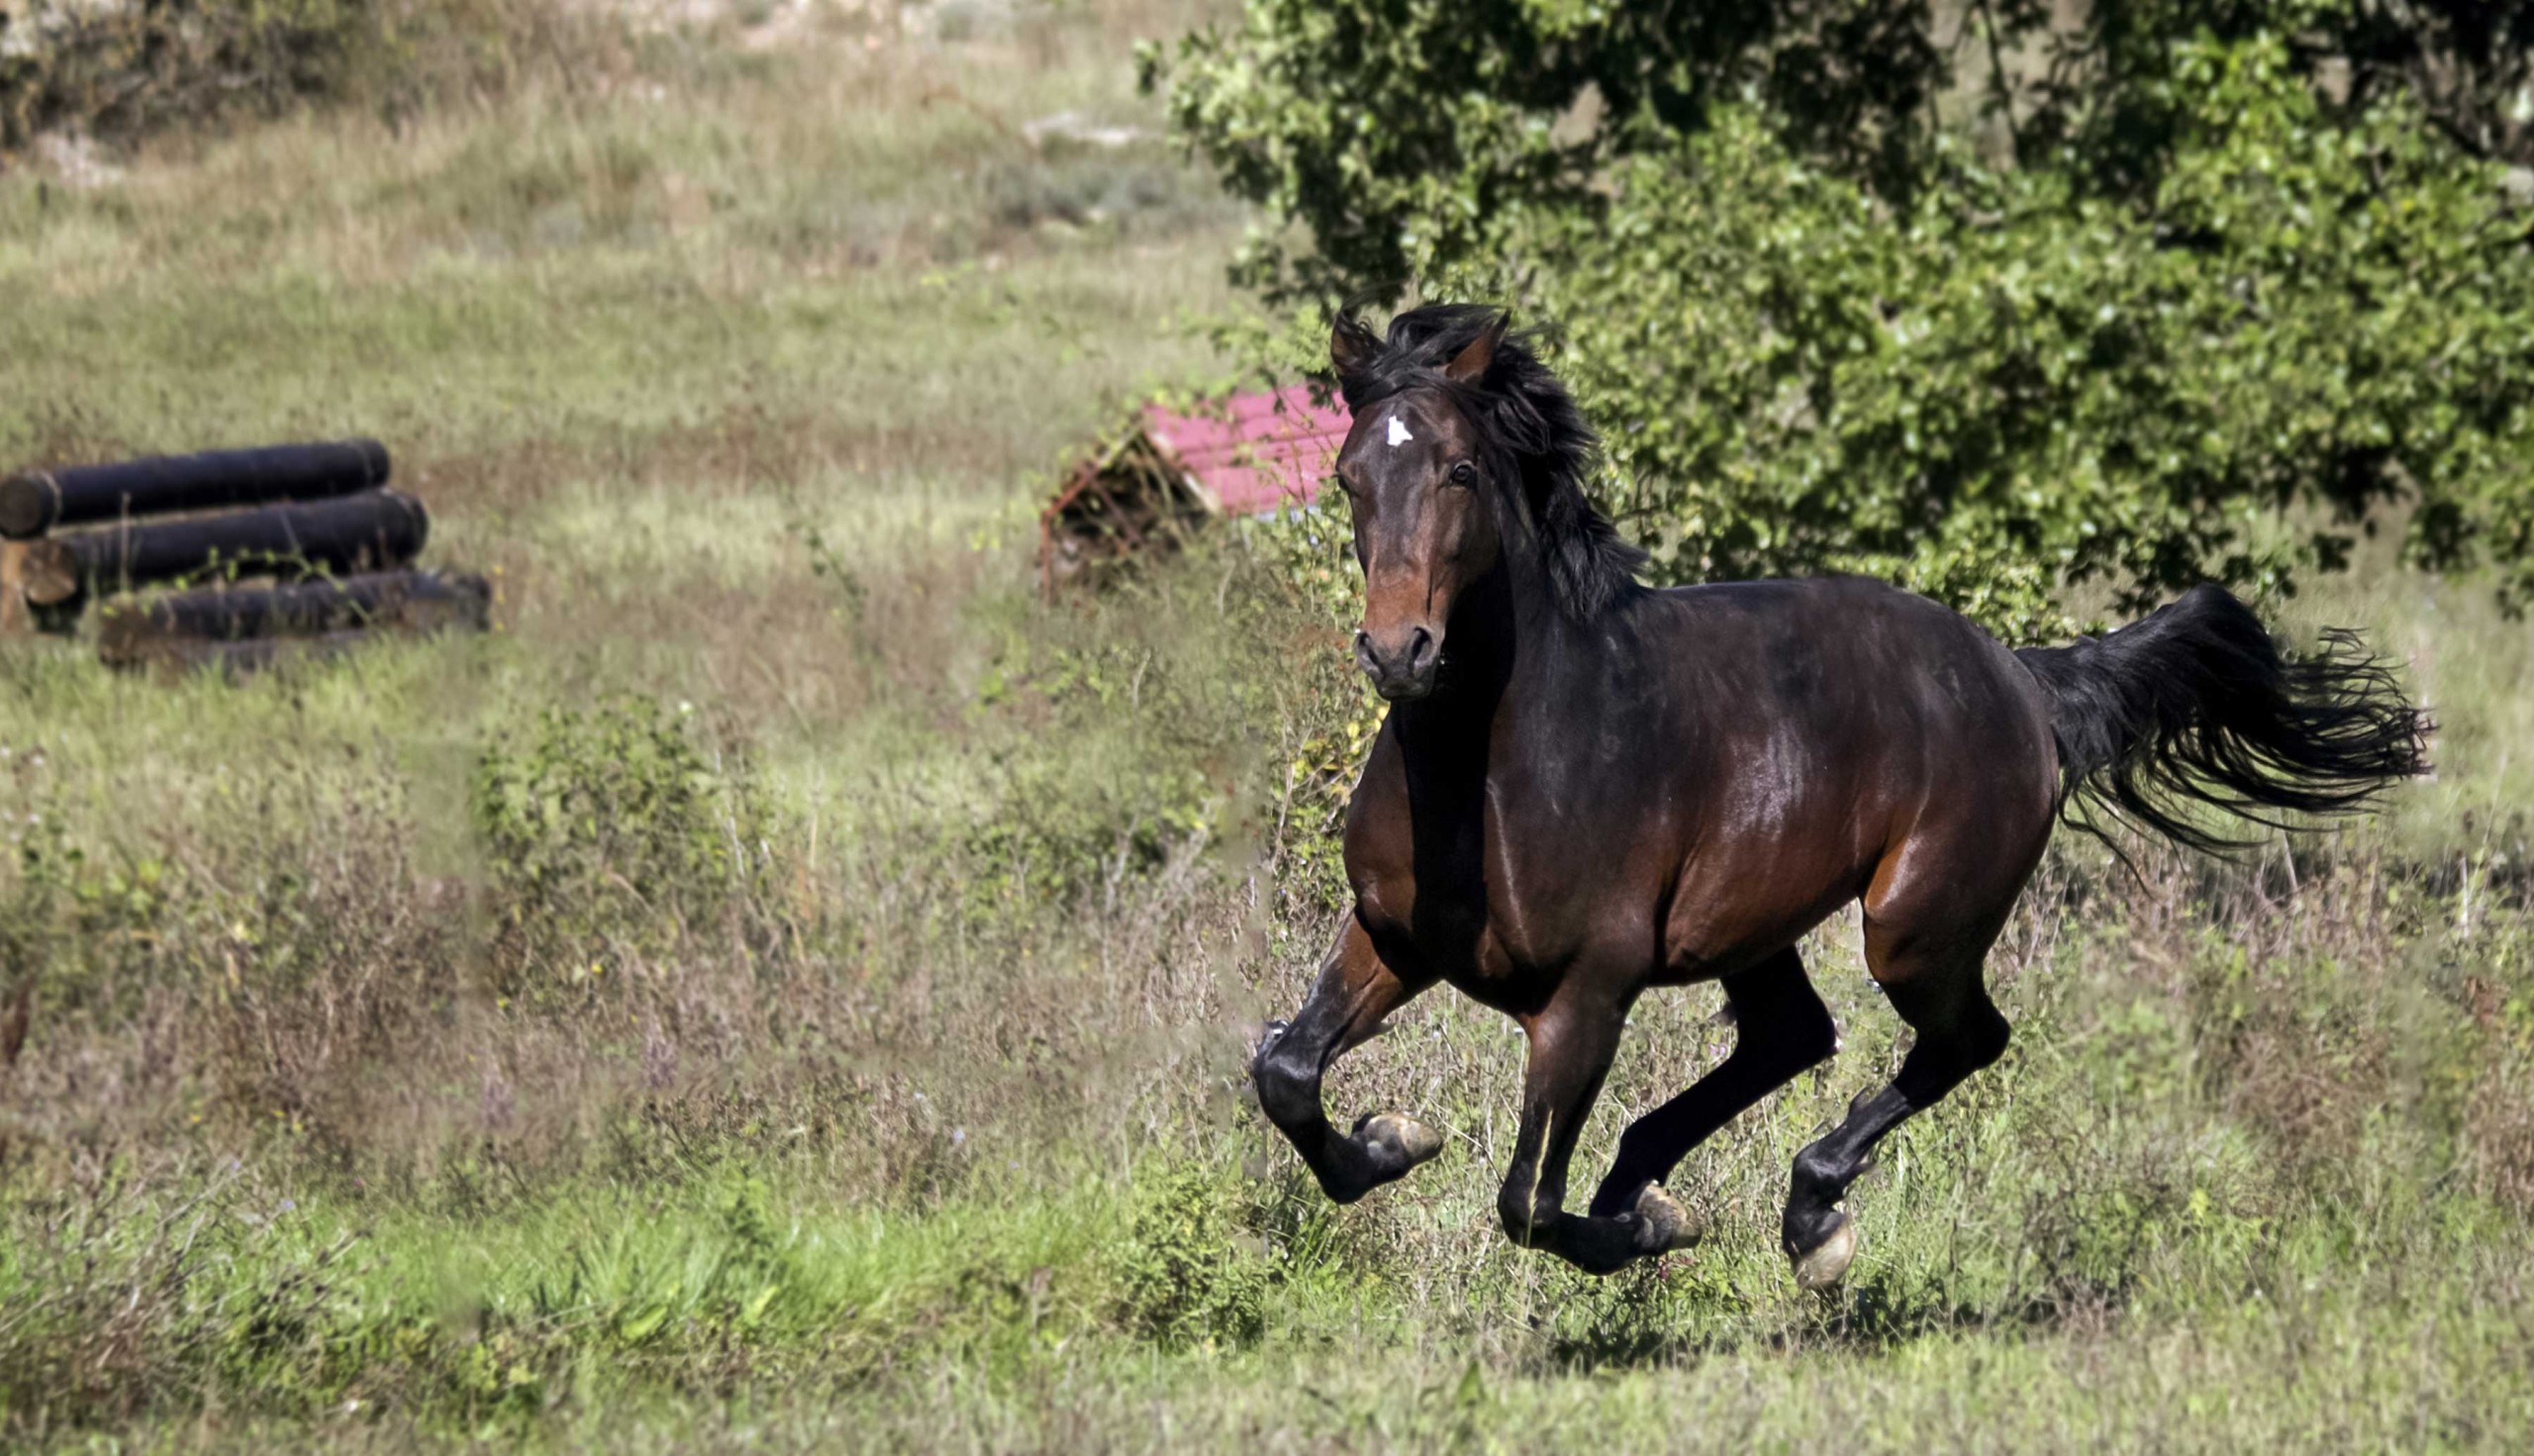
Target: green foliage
{"x":1110,"y":791}
{"x":2008,"y":386}
{"x":587,"y":815}
{"x":1186,"y":1271}
{"x":1329,"y":716}
{"x":1055,"y":836}
{"x":2199,"y":287}
{"x":1210,"y":701}
{"x":123,"y":68}
{"x":1399,"y":129}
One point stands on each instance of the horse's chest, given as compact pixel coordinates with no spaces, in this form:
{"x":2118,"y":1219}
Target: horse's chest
{"x":1472,"y":899}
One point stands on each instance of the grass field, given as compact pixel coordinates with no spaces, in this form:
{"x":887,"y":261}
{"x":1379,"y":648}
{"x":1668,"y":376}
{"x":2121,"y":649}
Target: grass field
{"x":788,"y":988}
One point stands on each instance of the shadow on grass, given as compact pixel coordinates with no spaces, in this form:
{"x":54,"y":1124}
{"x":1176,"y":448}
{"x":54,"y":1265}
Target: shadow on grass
{"x":1642,"y":1326}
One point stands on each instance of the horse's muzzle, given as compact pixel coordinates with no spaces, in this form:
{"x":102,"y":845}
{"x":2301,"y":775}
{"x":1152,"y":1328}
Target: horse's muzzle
{"x":1402,"y":667}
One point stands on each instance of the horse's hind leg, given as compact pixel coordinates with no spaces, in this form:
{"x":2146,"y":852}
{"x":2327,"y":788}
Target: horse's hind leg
{"x":1355,"y":990}
{"x":1934,"y":983}
{"x":1781,"y":1029}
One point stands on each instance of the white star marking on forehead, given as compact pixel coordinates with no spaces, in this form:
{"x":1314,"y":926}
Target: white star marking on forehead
{"x":1399,"y":434}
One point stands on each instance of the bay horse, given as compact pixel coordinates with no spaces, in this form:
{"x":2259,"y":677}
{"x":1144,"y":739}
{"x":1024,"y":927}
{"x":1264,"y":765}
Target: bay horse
{"x":1584,"y":787}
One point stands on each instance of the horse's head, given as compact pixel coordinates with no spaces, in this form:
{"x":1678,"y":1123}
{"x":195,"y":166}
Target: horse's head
{"x":1415,"y":470}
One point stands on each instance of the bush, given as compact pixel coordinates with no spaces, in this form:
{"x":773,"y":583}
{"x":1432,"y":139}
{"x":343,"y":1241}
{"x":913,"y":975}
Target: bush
{"x":123,"y":70}
{"x":2008,"y":386}
{"x":1328,"y":714}
{"x":612,"y":817}
{"x":1188,"y":1273}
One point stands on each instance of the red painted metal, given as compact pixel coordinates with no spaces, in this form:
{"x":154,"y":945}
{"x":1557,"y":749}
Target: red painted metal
{"x":1253,"y":453}
{"x":1170,"y":472}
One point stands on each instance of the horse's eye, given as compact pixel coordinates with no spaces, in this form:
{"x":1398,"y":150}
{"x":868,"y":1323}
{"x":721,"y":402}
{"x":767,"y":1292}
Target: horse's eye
{"x":1464,"y":473}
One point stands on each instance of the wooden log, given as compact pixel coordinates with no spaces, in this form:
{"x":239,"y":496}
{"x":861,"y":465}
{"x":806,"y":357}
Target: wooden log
{"x":370,"y":532}
{"x":37,"y":501}
{"x":16,"y":619}
{"x":411,"y":601}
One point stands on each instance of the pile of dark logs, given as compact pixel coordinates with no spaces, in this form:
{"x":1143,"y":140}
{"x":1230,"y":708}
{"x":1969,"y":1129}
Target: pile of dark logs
{"x":291,"y":549}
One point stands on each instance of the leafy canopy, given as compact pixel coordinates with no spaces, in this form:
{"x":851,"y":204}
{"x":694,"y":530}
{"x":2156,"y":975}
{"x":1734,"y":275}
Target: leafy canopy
{"x":1984,"y":307}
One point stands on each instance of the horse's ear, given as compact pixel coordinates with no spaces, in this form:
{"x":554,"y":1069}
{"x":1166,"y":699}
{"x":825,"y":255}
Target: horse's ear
{"x":1352,"y":346}
{"x":1468,"y":366}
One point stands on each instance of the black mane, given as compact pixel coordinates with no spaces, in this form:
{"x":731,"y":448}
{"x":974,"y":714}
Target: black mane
{"x":1529,"y":420}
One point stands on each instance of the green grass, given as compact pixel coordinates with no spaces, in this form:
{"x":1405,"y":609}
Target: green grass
{"x":840,"y":1044}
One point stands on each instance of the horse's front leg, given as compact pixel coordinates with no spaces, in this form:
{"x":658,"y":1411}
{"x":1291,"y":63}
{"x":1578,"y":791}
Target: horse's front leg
{"x":1572,"y":1041}
{"x":1354,"y":992}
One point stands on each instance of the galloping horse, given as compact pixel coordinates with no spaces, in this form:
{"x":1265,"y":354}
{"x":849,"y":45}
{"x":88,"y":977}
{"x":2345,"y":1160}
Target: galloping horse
{"x":1585,"y":788}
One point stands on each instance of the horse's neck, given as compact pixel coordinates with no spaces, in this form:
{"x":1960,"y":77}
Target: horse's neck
{"x":1498,"y":641}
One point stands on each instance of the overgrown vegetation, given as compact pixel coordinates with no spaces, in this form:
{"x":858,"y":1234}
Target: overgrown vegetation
{"x":612,"y":816}
{"x":789,"y":987}
{"x":118,"y":72}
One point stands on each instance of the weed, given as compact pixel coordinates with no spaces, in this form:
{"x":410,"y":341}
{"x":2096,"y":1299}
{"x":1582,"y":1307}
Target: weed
{"x":613,"y":816}
{"x":1186,"y":1271}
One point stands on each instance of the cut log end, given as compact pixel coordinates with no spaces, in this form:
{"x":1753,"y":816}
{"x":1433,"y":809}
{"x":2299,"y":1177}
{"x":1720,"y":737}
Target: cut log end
{"x":30,"y":502}
{"x":374,"y":455}
{"x":50,"y":573}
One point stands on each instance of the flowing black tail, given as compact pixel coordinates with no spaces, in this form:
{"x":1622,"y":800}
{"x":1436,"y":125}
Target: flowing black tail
{"x":2194,"y":703}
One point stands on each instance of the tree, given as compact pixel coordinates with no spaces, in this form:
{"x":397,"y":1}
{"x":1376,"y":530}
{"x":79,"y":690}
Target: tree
{"x":2142,"y":293}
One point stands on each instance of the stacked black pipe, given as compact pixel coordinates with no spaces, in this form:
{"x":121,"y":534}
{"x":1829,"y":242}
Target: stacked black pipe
{"x":319,"y":515}
{"x":288,"y":511}
{"x":34,"y":502}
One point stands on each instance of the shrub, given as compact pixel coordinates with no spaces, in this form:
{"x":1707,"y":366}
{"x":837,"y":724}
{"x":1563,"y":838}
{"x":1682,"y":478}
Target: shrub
{"x":126,"y":68}
{"x":1328,"y":714}
{"x":123,"y":70}
{"x":2008,"y":386}
{"x":612,"y":817}
{"x":1188,"y":1273}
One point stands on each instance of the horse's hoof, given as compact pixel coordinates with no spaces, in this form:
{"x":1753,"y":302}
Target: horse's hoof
{"x":1662,"y":1225}
{"x":1822,"y":1267}
{"x":1405,"y":1138}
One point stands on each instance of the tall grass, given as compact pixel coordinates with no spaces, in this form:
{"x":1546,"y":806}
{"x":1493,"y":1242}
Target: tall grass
{"x":789,"y":987}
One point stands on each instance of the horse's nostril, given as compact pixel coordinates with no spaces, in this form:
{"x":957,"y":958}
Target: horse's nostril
{"x":1421,"y":651}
